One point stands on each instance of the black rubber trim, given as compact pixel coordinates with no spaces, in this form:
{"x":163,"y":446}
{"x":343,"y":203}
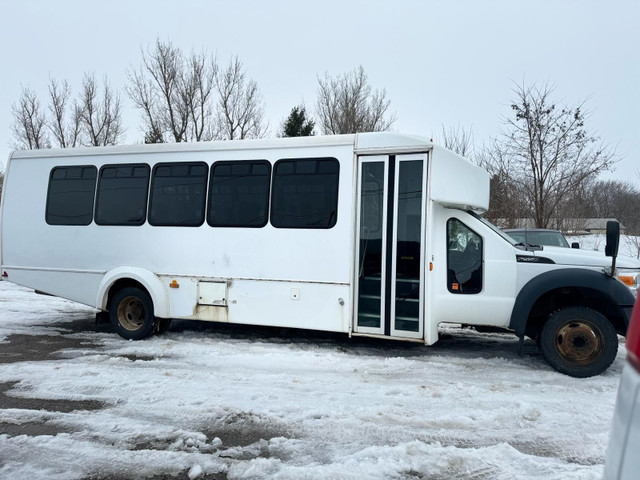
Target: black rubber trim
{"x":389,"y":252}
{"x":619,"y":296}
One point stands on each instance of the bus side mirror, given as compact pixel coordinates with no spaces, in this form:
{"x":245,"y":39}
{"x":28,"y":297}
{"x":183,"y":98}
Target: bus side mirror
{"x":613,"y":239}
{"x":575,"y":245}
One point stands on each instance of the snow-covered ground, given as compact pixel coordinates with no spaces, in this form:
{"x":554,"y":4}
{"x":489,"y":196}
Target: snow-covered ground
{"x":629,"y":245}
{"x":211,"y":401}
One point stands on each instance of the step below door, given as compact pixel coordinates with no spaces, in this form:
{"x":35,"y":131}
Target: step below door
{"x":391,"y":242}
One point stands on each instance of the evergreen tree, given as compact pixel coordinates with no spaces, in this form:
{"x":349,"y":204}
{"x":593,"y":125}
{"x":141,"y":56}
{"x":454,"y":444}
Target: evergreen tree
{"x":153,"y":136}
{"x":297,"y":124}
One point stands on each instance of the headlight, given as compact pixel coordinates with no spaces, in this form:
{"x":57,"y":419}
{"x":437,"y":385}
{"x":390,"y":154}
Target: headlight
{"x":631,"y":280}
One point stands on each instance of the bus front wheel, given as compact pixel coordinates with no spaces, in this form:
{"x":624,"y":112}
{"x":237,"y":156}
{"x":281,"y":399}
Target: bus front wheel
{"x":579,"y":342}
{"x":131,"y":313}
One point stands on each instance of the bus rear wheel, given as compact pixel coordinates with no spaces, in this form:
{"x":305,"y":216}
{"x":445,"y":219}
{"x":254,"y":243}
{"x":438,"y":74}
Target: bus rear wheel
{"x":579,"y":342}
{"x":131,"y":313}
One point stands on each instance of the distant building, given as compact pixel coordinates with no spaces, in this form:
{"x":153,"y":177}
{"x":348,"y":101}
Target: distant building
{"x":599,"y":225}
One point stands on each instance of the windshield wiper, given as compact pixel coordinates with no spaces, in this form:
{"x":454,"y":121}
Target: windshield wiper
{"x":529,"y":246}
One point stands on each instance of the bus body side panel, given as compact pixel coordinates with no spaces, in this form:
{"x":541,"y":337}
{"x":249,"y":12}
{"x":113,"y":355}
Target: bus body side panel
{"x":310,"y":306}
{"x":259,"y":263}
{"x":314,"y":306}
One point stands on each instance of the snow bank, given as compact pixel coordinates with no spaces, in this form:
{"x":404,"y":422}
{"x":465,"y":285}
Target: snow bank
{"x":629,"y":245}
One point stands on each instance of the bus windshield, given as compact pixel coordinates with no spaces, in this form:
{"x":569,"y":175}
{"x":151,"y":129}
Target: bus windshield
{"x":494,"y":228}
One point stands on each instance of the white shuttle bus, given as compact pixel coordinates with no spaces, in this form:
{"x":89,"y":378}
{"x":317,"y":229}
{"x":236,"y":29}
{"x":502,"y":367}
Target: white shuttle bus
{"x":374,"y":234}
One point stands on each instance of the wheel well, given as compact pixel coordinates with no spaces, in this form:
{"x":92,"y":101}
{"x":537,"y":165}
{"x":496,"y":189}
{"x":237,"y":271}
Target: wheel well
{"x":569,"y":297}
{"x":119,"y":285}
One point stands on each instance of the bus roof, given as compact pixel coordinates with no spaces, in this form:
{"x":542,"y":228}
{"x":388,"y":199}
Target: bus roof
{"x":378,"y":142}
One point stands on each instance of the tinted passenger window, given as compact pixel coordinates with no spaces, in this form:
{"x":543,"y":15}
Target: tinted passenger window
{"x":178,"y":194}
{"x":70,"y":195}
{"x":122,"y":194}
{"x":239,"y":194}
{"x":464,"y":258}
{"x":305,"y":193}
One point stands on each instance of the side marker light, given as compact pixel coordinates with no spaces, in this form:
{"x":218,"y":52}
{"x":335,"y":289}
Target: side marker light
{"x":627,"y":280}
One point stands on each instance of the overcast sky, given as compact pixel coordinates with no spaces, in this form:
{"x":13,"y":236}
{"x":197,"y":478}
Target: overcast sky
{"x":442,"y":63}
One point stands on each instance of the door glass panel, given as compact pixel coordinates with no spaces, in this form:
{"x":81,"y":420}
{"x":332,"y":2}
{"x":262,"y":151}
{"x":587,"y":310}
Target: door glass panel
{"x":464,"y":258}
{"x":370,"y":264}
{"x":408,"y":246}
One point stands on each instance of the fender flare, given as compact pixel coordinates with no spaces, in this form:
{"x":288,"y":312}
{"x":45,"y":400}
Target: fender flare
{"x":147,"y":279}
{"x":617,"y":294}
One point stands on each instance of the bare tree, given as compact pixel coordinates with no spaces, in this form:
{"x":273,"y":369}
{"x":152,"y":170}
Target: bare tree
{"x":66,"y":131}
{"x":620,"y":200}
{"x":347,"y":104}
{"x":616,"y":199}
{"x":240,"y":109}
{"x":458,"y":140}
{"x":156,"y":89}
{"x":573,"y":211}
{"x":633,"y":247}
{"x":175,"y":95}
{"x":546,"y":150}
{"x":198,"y":85}
{"x":28,"y":127}
{"x":101,"y":113}
{"x":1,"y":182}
{"x":507,"y":207}
{"x":94,"y":119}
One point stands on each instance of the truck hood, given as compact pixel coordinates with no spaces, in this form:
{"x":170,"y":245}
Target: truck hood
{"x":577,"y":257}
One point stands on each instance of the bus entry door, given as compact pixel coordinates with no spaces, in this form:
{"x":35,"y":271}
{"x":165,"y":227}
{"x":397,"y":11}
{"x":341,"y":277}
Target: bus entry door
{"x":390,"y":248}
